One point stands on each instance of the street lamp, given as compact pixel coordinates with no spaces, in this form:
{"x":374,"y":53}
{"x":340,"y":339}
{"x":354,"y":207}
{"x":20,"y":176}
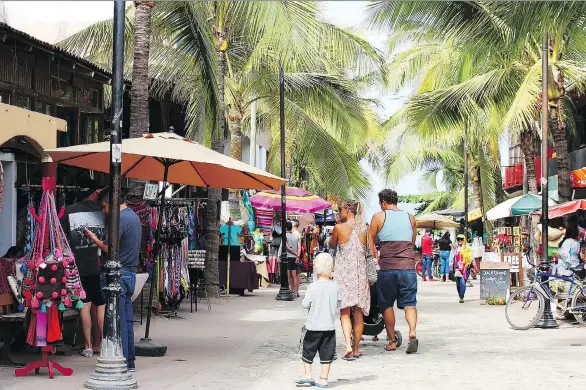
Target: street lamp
{"x":547,"y":321}
{"x":111,"y":371}
{"x":285,"y":294}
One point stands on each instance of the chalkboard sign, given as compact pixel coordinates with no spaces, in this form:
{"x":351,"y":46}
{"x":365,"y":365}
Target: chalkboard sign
{"x":495,"y":279}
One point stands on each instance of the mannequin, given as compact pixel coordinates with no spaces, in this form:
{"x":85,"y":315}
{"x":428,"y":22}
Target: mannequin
{"x":234,"y":246}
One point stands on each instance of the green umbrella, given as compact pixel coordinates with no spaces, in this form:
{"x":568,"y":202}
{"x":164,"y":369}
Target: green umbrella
{"x":521,"y":205}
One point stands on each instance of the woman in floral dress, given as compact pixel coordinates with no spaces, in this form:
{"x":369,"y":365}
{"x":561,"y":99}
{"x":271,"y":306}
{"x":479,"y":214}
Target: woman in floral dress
{"x":350,"y":273}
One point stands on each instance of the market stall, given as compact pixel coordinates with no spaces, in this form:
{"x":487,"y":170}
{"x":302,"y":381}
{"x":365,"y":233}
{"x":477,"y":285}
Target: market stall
{"x":299,"y":202}
{"x":169,"y":158}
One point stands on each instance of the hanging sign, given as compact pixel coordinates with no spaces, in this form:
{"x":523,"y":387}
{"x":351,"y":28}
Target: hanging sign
{"x":475,"y":214}
{"x":151,"y":191}
{"x":578,"y":178}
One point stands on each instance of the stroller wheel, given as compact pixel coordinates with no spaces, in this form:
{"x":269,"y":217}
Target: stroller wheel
{"x":399,"y":338}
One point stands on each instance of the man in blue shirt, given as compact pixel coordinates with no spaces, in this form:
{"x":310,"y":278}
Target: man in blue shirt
{"x":130,"y":238}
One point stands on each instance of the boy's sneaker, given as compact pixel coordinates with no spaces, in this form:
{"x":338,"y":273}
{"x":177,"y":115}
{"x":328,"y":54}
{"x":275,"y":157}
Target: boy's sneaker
{"x":88,"y":353}
{"x":131,"y":367}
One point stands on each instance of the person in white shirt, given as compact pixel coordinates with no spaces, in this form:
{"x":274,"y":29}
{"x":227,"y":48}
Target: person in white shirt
{"x":323,"y":299}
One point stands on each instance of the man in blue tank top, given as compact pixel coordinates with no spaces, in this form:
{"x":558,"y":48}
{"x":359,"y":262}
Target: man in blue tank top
{"x":395,"y":231}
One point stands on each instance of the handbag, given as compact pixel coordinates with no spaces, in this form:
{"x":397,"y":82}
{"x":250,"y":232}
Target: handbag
{"x":371,"y":273}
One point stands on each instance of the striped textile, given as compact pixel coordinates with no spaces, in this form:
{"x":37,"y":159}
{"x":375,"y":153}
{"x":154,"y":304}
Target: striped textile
{"x":264,"y":219}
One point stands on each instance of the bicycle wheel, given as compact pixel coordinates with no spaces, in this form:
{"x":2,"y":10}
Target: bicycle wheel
{"x":524,"y":308}
{"x":578,"y":308}
{"x":419,"y":268}
{"x":435,"y":269}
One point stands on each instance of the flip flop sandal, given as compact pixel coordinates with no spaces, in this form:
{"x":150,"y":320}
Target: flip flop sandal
{"x":326,"y":386}
{"x":413,"y":346}
{"x":305,"y":381}
{"x":358,"y":356}
{"x":348,"y":357}
{"x":390,"y":349}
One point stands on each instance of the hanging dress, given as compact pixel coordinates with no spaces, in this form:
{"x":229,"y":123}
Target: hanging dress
{"x":350,"y":273}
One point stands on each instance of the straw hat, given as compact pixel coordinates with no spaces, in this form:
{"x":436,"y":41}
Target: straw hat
{"x":554,"y":236}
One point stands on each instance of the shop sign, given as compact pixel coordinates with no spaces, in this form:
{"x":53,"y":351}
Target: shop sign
{"x":475,"y":214}
{"x":578,"y":178}
{"x":151,"y":191}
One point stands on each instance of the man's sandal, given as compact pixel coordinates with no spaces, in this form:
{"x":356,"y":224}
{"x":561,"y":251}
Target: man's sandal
{"x":388,"y":347}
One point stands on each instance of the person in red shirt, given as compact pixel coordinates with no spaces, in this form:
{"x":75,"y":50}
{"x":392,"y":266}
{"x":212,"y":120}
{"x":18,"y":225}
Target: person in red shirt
{"x":426,"y":255}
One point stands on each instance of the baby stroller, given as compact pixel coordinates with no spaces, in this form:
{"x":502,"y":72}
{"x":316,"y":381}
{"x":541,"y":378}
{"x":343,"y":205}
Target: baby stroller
{"x":374,"y":323}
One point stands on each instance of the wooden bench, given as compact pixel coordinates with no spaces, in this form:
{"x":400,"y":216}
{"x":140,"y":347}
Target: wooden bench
{"x":10,"y":326}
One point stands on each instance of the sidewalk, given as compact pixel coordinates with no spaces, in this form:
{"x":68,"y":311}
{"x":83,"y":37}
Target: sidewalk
{"x":252,"y":341}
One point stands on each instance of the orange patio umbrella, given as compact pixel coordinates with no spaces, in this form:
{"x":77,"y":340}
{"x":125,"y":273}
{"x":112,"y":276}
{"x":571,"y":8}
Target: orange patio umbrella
{"x":170,"y":158}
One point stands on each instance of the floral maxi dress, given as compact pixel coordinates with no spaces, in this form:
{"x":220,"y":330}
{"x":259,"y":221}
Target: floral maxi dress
{"x":350,"y":273}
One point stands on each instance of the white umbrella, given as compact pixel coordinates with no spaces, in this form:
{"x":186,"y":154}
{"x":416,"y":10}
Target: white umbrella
{"x":434,"y":221}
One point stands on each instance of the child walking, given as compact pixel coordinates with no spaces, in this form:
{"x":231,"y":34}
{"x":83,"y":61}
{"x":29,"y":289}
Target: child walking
{"x":322,"y":298}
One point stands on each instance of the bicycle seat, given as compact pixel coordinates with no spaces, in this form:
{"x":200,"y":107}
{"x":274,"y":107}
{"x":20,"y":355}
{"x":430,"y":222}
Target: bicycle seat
{"x":579,"y":271}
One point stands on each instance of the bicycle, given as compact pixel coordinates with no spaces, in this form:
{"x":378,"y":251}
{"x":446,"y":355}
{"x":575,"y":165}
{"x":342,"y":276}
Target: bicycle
{"x":435,"y":266}
{"x":539,"y":291}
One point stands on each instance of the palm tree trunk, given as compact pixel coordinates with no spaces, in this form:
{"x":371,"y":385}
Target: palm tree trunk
{"x":561,"y":149}
{"x":477,"y":194}
{"x":236,"y":137}
{"x":476,"y":188}
{"x":211,"y":271}
{"x":139,"y":94}
{"x":529,"y":150}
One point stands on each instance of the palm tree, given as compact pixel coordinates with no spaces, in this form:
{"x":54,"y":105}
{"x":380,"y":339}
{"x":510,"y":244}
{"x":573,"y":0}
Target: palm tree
{"x":505,"y":79}
{"x":139,"y":93}
{"x":213,"y":62}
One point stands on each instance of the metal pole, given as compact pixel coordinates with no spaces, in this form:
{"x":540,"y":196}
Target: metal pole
{"x":145,"y":346}
{"x":111,"y":370}
{"x":547,"y":320}
{"x":466,"y":183}
{"x":229,"y":250}
{"x":285,"y":294}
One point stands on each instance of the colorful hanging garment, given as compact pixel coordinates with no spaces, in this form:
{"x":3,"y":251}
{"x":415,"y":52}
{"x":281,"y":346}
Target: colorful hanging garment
{"x":52,"y":280}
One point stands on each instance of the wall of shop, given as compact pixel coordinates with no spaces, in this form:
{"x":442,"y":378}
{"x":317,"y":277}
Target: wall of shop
{"x":8,"y":210}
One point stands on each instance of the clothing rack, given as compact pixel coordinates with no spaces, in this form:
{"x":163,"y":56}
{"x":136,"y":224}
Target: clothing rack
{"x":59,"y":187}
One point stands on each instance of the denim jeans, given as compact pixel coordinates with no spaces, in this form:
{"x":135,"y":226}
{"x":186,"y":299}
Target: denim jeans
{"x":445,"y":262}
{"x":426,"y":265}
{"x":461,"y":286}
{"x":128,"y":283}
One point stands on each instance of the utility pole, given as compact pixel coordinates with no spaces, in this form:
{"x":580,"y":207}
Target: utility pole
{"x":111,"y":371}
{"x":285,"y":294}
{"x":547,"y":320}
{"x":466,"y":182}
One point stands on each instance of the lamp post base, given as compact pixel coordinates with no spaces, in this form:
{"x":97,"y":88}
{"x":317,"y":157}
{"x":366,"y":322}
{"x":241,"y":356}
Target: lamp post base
{"x":285,"y":294}
{"x":111,"y":374}
{"x":147,"y":347}
{"x":547,"y":321}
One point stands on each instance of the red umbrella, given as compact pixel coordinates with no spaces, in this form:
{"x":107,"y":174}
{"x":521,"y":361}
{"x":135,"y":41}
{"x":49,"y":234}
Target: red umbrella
{"x":567,"y":208}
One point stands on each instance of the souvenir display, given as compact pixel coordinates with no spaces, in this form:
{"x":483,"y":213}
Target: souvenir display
{"x":51,"y":282}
